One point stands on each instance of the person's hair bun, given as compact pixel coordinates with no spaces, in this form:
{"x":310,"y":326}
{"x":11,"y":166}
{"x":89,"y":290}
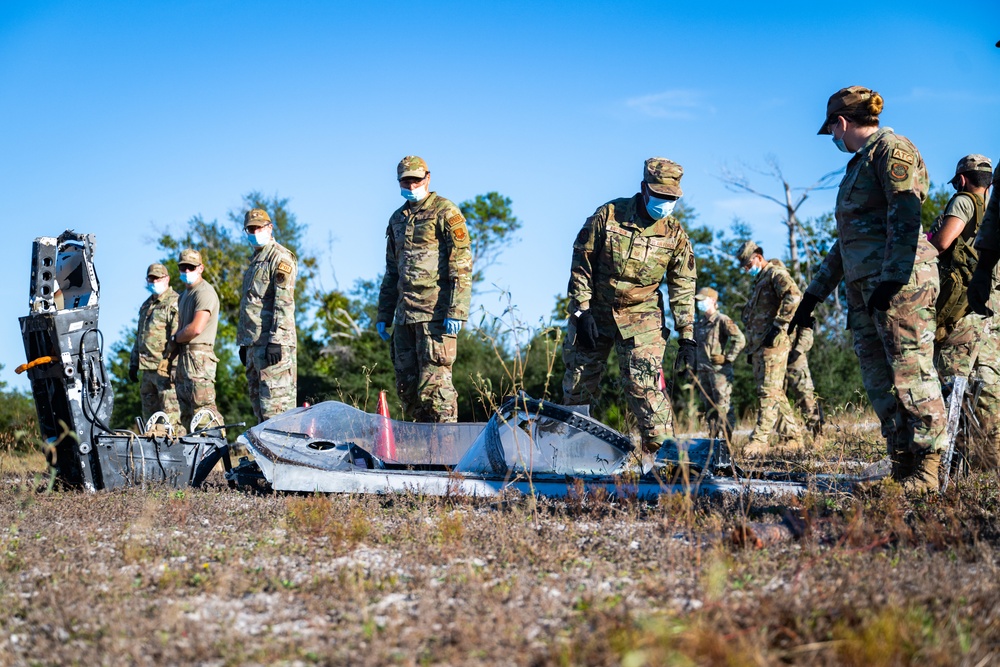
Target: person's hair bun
{"x":875,"y":104}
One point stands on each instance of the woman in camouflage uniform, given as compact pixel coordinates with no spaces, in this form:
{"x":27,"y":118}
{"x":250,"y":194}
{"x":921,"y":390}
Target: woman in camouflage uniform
{"x":890,"y":269}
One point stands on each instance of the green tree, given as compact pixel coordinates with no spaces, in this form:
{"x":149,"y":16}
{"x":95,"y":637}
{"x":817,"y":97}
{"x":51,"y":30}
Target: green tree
{"x":492,"y":228}
{"x":933,"y":206}
{"x":18,"y":421}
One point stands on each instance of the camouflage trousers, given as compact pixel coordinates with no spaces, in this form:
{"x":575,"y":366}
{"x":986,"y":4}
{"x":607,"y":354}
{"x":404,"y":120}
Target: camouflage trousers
{"x":986,"y":454}
{"x":158,"y":395}
{"x":775,"y":414}
{"x":196,"y":366}
{"x":640,"y":360}
{"x":895,"y":349}
{"x":272,"y":388}
{"x":423,"y":355}
{"x":953,"y":355}
{"x":798,"y":379}
{"x":716,"y":388}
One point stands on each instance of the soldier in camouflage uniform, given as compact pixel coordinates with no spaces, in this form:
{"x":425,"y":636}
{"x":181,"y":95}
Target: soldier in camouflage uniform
{"x":765,"y":318}
{"x":890,"y":270}
{"x":720,"y":342}
{"x":620,"y":257}
{"x":958,"y":329}
{"x":194,"y":342}
{"x":425,"y":294}
{"x":984,"y":299}
{"x":157,"y":324}
{"x":266,"y":332}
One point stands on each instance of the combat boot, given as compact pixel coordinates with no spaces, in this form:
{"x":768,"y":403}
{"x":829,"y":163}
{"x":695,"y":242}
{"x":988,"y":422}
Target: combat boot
{"x":903,"y":464}
{"x":924,"y":478}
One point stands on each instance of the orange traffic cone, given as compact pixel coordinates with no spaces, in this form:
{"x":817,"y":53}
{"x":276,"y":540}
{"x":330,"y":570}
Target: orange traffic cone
{"x":385,"y":441}
{"x":661,"y":383}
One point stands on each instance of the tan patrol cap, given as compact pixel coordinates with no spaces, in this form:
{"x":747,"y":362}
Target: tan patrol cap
{"x":706,"y":293}
{"x":190,"y":256}
{"x":411,"y":166}
{"x":257,"y":216}
{"x":974,"y":162}
{"x":841,"y":101}
{"x":156,"y":270}
{"x":663,"y":176}
{"x":746,"y":251}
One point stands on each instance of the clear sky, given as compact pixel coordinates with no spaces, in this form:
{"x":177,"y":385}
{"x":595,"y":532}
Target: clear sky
{"x":124,"y":119}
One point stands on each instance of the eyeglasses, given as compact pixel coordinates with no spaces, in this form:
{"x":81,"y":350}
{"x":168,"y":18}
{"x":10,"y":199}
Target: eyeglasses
{"x":186,"y":268}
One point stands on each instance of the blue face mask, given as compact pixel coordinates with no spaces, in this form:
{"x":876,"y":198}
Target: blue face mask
{"x":156,"y":287}
{"x":839,"y":143}
{"x":754,"y":270}
{"x":414,"y":195}
{"x":702,"y":306}
{"x":660,"y":208}
{"x":189,"y":278}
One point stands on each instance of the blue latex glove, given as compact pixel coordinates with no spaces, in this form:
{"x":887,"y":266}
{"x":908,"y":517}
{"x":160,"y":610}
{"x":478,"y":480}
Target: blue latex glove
{"x":451,"y":326}
{"x":380,"y":327}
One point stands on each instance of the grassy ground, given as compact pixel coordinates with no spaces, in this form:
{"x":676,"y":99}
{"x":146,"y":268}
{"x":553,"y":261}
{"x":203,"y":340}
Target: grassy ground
{"x":216,"y":577}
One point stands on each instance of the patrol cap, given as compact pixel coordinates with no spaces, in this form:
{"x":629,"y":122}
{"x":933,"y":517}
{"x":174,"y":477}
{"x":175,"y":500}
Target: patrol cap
{"x":843,"y":100}
{"x":411,"y":166}
{"x":156,"y":270}
{"x":258,"y":217}
{"x":190,"y":256}
{"x":663,"y":176}
{"x":706,"y":293}
{"x":974,"y":162}
{"x":746,"y":251}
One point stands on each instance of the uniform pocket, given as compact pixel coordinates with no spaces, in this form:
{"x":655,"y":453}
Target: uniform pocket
{"x":442,"y":349}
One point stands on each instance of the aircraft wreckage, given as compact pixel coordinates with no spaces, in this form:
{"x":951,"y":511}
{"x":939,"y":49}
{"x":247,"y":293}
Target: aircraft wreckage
{"x":528,"y":446}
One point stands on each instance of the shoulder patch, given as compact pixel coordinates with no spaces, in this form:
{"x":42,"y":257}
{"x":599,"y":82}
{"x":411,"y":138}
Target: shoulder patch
{"x":899,"y":171}
{"x":282,"y":273}
{"x":902,"y":156}
{"x":455,"y":220}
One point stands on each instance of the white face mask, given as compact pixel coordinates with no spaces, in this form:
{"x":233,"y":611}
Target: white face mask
{"x":702,"y":305}
{"x":414,"y":195}
{"x":260,"y":238}
{"x":158,"y":287}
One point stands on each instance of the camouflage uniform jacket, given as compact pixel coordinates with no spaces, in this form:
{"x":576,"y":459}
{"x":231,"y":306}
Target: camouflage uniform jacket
{"x":620,"y":257}
{"x":773,"y":301}
{"x":267,"y":305}
{"x":989,"y":231}
{"x":879,"y":237}
{"x":157,"y":323}
{"x":717,"y":334}
{"x":428,"y":264}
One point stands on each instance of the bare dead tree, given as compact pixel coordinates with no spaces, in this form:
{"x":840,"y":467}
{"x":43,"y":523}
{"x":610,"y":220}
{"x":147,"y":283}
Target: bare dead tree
{"x":790,"y":200}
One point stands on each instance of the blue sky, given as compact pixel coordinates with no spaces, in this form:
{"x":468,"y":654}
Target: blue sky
{"x":124,"y":119}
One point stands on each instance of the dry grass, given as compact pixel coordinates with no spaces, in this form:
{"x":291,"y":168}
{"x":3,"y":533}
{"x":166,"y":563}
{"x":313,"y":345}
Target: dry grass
{"x":216,"y":577}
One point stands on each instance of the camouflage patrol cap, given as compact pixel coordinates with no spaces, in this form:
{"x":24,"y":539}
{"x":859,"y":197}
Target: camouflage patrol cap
{"x":156,"y":270}
{"x":663,"y":176}
{"x":841,"y":101}
{"x":411,"y":166}
{"x":258,"y":217}
{"x":746,"y":251}
{"x":706,"y":293}
{"x":974,"y":162}
{"x":190,"y":256}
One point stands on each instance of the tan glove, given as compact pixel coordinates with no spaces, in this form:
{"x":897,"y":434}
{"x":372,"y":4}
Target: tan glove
{"x":718,"y":359}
